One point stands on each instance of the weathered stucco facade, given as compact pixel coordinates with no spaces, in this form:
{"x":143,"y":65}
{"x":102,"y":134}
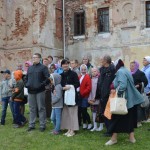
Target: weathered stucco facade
{"x":27,"y":26}
{"x":128,"y":37}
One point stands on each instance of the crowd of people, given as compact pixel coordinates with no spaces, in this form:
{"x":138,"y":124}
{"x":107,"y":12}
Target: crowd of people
{"x":65,"y":91}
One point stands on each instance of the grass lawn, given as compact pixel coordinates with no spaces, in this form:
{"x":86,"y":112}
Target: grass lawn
{"x":20,"y":139}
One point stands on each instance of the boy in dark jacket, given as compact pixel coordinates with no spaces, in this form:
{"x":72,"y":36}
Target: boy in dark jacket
{"x":18,"y":97}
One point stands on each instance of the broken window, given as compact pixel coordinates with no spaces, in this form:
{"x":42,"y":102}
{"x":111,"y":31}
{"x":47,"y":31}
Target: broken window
{"x":79,"y":23}
{"x":103,"y":20}
{"x":148,"y":14}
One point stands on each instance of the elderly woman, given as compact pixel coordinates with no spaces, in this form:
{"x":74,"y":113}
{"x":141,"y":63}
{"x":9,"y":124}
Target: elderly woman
{"x":70,"y":112}
{"x":86,"y":61}
{"x":124,"y":83}
{"x":139,"y":81}
{"x":85,"y":89}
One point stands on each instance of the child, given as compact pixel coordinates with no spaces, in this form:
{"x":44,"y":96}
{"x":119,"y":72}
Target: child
{"x":94,"y":103}
{"x":18,"y":97}
{"x":57,"y":101}
{"x":5,"y":94}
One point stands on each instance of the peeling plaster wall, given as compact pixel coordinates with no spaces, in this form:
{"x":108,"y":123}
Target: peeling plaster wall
{"x":128,"y":38}
{"x":26,"y":27}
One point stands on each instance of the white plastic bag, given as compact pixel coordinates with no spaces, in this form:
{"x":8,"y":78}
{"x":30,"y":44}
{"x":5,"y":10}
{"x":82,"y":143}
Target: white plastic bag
{"x":70,"y":96}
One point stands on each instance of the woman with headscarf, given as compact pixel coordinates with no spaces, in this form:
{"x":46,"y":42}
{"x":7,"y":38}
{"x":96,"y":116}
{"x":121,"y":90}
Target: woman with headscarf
{"x":139,"y":81}
{"x":124,"y":84}
{"x":85,"y":89}
{"x":27,"y":64}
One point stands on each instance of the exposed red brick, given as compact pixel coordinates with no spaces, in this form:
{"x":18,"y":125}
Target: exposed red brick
{"x":59,"y":24}
{"x":43,"y":15}
{"x":22,"y":27}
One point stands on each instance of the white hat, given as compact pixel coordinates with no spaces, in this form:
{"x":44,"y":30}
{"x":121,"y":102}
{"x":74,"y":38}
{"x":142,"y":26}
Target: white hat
{"x":147,"y":58}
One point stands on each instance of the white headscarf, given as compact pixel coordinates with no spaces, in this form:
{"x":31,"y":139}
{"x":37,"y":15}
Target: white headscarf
{"x":116,"y":62}
{"x":147,"y":58}
{"x":83,"y":65}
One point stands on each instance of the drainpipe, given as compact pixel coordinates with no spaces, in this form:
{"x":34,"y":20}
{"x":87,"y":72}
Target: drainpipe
{"x":64,"y":32}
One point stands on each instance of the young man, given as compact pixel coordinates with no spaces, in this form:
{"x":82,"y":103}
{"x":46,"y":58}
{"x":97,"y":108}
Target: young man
{"x":74,"y":66}
{"x":5,"y":95}
{"x":37,"y":79}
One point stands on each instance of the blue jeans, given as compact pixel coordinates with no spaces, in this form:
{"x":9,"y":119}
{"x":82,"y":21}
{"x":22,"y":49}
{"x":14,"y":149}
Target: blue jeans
{"x":19,"y":118}
{"x":5,"y":102}
{"x":56,"y":118}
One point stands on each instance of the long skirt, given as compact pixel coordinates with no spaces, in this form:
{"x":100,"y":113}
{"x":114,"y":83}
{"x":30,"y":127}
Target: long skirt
{"x":124,"y":123}
{"x":141,"y":112}
{"x":70,"y":118}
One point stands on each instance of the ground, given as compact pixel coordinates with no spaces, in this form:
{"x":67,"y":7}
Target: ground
{"x":20,"y":139}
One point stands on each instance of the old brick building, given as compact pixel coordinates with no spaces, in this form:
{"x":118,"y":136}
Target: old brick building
{"x":120,"y":28}
{"x":28,"y":26}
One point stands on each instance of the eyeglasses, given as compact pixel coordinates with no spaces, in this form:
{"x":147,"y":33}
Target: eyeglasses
{"x":34,"y":57}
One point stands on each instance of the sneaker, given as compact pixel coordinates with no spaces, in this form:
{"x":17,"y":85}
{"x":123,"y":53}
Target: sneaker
{"x":17,"y":126}
{"x":139,"y":124}
{"x":94,"y":129}
{"x":89,"y":126}
{"x":146,"y":121}
{"x":55,"y":133}
{"x":99,"y":129}
{"x":110,"y":142}
{"x":42,"y":129}
{"x":84,"y":126}
{"x":66,"y":133}
{"x":70,"y":134}
{"x":30,"y":129}
{"x":23,"y":123}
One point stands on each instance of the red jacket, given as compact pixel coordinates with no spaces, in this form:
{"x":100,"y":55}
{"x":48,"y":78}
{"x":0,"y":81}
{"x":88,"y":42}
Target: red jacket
{"x":85,"y":86}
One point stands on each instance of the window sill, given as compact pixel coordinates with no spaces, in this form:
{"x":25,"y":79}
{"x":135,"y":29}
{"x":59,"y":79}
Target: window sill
{"x":79,"y":37}
{"x":147,"y":29}
{"x":104,"y":34}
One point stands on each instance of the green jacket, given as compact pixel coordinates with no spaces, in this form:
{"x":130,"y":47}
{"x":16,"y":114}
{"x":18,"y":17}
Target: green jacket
{"x":20,"y":94}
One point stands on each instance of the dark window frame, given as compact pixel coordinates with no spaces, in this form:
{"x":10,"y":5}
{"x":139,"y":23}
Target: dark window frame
{"x":79,"y":23}
{"x":147,"y":15}
{"x":103,"y":16}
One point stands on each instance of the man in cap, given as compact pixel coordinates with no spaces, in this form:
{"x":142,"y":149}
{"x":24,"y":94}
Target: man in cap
{"x":5,"y":95}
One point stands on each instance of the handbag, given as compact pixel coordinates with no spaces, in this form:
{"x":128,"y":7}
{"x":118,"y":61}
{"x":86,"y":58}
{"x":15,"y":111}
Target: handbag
{"x":146,"y":102}
{"x":118,"y":105}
